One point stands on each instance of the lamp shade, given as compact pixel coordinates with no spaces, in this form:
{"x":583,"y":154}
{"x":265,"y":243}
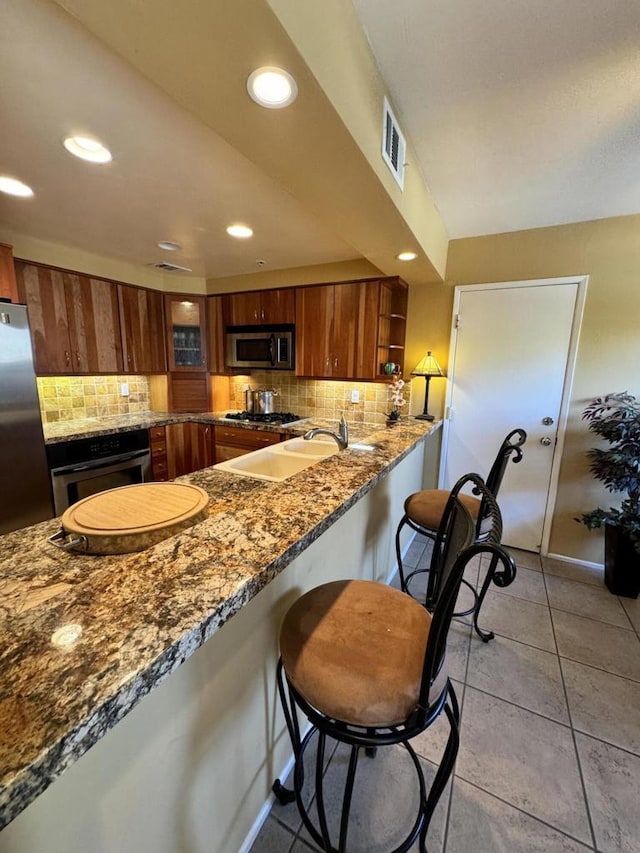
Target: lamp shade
{"x":427,"y":366}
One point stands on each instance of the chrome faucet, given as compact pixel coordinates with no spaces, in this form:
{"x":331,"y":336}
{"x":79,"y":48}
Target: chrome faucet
{"x":342,"y":436}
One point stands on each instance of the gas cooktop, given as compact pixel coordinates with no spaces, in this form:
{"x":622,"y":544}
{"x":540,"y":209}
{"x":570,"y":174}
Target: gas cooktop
{"x":273,"y":418}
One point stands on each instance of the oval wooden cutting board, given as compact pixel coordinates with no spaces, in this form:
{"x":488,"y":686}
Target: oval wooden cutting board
{"x":131,"y":518}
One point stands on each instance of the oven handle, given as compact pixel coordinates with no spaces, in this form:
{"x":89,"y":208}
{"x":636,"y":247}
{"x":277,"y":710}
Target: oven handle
{"x":94,"y":466}
{"x":272,"y":350}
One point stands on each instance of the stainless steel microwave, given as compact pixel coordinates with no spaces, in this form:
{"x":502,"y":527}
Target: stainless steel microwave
{"x":269,"y":347}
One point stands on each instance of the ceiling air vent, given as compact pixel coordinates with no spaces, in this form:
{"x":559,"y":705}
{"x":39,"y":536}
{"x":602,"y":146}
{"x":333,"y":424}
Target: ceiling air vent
{"x":393,"y":145}
{"x":163,"y":265}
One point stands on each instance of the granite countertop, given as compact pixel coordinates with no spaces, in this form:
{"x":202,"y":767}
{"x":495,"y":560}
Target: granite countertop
{"x":58,"y":699}
{"x":87,"y":427}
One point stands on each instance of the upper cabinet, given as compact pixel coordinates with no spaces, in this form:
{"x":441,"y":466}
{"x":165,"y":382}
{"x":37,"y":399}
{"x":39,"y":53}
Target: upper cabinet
{"x":186,"y":321}
{"x":216,"y":321}
{"x":142,"y":327}
{"x":341,"y":329}
{"x":8,"y":284}
{"x":258,"y":307}
{"x":392,"y":323}
{"x":74,"y":321}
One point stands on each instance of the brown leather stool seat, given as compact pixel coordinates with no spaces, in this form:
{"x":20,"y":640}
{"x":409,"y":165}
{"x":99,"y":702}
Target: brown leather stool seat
{"x":366,"y":665}
{"x":423,"y":513}
{"x":426,"y":507}
{"x":355,"y":650}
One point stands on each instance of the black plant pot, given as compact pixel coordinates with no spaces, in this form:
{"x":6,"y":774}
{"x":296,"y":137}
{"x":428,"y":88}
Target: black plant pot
{"x":621,"y":563}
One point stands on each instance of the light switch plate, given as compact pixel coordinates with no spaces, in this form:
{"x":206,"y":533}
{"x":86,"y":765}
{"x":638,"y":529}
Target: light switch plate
{"x":124,"y":389}
{"x":355,"y":396}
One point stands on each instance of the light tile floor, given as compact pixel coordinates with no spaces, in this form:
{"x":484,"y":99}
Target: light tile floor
{"x":549,"y":757}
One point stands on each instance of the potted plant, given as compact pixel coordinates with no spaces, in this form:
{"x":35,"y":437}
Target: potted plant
{"x":397,"y":400}
{"x":616,"y":418}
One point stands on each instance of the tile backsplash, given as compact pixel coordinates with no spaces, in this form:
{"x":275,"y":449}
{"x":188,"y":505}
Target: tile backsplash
{"x":65,"y":398}
{"x":320,"y":398}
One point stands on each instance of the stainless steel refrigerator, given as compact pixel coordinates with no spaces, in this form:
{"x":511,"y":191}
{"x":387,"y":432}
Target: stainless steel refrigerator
{"x":25,"y":485}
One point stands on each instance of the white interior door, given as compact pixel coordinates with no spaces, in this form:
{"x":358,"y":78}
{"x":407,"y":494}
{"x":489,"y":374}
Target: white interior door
{"x":508,"y":369}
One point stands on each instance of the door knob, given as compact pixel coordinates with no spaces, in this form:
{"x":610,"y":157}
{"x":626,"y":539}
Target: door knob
{"x":547,"y":421}
{"x":546,"y":441}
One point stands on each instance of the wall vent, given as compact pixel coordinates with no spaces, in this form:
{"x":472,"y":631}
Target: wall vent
{"x":393,"y":144}
{"x":163,"y":265}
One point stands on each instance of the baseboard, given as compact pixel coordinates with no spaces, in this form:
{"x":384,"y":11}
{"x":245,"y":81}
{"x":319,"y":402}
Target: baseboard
{"x":576,"y":562}
{"x":394,"y":569}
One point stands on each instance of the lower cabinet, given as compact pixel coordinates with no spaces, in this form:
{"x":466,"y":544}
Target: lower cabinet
{"x":232,"y":441}
{"x":178,"y":449}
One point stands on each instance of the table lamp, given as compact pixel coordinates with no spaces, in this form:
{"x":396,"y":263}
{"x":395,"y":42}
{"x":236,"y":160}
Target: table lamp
{"x":427,"y":367}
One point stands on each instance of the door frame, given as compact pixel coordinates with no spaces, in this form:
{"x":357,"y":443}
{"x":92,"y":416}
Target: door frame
{"x":582,"y":281}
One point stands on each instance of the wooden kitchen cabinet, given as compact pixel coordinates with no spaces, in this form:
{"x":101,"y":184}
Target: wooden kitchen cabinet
{"x":336,"y":330}
{"x":158,"y":448}
{"x":350,"y":330}
{"x":142,"y":329}
{"x":94,"y":324}
{"x":8,"y":283}
{"x":42,"y":290}
{"x":262,"y":307}
{"x":186,"y":322}
{"x":189,"y":447}
{"x":217,"y":308}
{"x":74,"y":321}
{"x":230,"y":442}
{"x":392,"y":324}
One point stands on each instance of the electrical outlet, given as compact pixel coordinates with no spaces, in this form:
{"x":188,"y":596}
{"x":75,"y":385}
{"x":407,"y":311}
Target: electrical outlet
{"x":355,"y":396}
{"x":124,"y":389}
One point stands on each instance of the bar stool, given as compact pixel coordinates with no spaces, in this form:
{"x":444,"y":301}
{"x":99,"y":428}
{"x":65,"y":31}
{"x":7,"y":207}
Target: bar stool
{"x":366,"y":665}
{"x":423,"y":511}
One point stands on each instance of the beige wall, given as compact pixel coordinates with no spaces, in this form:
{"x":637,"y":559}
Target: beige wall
{"x":608,"y":251}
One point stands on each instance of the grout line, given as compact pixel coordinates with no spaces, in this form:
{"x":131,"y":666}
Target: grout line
{"x":599,"y":668}
{"x":633,"y":627}
{"x":575,"y":743}
{"x":528,"y":814}
{"x":521,"y":707}
{"x":593,"y":618}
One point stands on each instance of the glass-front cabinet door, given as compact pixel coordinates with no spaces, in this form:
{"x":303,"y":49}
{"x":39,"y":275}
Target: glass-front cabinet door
{"x":186,"y":332}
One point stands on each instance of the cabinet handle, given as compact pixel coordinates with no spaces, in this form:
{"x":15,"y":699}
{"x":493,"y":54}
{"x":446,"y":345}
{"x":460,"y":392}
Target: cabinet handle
{"x":78,"y":358}
{"x":262,"y":314}
{"x":67,"y":357}
{"x":255,"y":314}
{"x":335,"y":362}
{"x":128,"y":358}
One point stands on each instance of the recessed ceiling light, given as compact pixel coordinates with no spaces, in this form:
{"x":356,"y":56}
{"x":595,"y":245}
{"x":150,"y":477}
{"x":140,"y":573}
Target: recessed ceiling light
{"x":407,"y":256}
{"x":12,"y":186}
{"x":272,"y":87}
{"x":241,"y":231}
{"x":87,"y":149}
{"x":168,"y":246}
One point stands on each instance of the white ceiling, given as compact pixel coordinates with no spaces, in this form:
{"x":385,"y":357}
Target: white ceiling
{"x":171,"y":177}
{"x":522,"y":113}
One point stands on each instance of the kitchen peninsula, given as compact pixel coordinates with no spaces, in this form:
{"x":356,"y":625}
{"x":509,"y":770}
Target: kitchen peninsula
{"x":89,"y":639}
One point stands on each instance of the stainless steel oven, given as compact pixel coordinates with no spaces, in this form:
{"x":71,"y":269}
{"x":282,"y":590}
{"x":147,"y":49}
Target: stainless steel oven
{"x":267,"y":347}
{"x":82,"y":467}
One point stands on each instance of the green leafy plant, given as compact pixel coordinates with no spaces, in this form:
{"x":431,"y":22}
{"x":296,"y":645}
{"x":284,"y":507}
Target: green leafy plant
{"x":616,"y":419}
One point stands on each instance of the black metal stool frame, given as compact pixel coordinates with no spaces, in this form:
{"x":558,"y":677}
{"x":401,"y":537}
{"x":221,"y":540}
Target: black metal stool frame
{"x":511,"y":446}
{"x":445,"y":583}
